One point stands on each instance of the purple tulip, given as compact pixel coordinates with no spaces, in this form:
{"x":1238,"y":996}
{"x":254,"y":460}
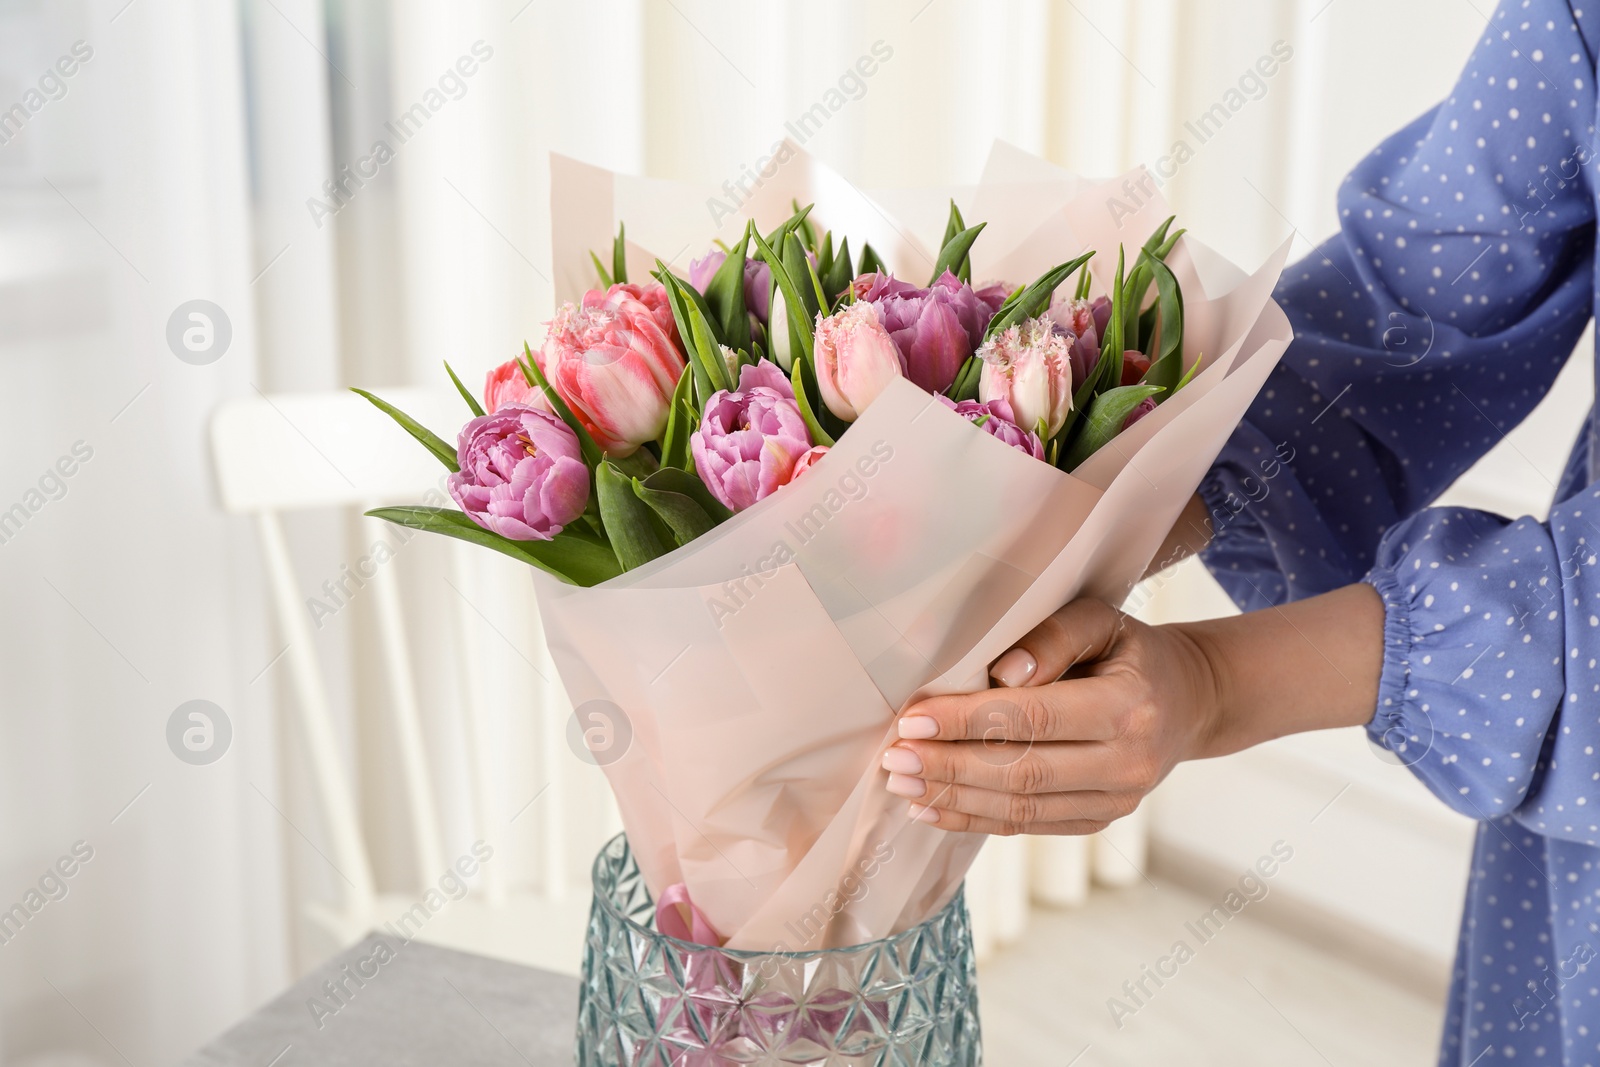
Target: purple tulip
{"x":935,"y":329}
{"x":994,"y":294}
{"x":1086,"y":321}
{"x":1143,"y":408}
{"x":757,"y":281}
{"x":995,"y":419}
{"x":522,"y":474}
{"x":750,"y":440}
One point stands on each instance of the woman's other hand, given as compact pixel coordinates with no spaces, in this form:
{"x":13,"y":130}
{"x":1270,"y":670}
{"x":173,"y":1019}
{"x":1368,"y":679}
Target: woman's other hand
{"x":1095,"y":708}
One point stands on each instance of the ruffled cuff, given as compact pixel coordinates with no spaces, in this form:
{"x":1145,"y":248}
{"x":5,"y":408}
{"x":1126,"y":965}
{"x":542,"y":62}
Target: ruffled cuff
{"x":1472,"y":675}
{"x":1387,"y":728}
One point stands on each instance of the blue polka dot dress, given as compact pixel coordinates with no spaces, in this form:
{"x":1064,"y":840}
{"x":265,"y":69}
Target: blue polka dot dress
{"x":1438,"y":317}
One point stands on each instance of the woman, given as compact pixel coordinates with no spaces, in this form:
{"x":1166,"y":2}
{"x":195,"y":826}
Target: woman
{"x":1467,"y":643}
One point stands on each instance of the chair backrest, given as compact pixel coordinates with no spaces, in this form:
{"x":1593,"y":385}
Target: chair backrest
{"x":276,"y":454}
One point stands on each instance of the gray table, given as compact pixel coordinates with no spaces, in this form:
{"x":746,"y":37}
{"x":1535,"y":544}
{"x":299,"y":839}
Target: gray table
{"x":426,"y":1005}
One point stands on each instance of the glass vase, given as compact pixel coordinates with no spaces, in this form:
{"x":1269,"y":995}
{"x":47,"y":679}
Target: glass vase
{"x":648,"y":1000}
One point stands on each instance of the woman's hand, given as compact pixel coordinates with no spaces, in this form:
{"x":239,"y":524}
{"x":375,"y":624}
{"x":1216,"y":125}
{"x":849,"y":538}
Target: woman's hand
{"x":1046,"y":756}
{"x":1059,"y":757}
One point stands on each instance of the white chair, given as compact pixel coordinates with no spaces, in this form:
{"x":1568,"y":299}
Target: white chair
{"x":286,"y":453}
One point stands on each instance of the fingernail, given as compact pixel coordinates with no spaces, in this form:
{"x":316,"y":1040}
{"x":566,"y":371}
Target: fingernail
{"x":918,"y":728}
{"x":902,"y":761}
{"x":922,"y":814}
{"x":903,"y":786}
{"x":1014,"y":668}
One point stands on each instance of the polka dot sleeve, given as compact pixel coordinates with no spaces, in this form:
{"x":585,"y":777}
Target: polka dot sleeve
{"x":1434,"y":321}
{"x":1490,"y":689}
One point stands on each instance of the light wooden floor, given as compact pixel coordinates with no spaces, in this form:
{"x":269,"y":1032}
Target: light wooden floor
{"x":1252,"y":995}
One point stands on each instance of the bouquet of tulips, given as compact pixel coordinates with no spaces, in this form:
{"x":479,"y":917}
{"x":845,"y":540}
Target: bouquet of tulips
{"x":655,"y":411}
{"x":770,"y":500}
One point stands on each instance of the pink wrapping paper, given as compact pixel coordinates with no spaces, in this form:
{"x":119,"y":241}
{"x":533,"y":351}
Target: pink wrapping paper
{"x":757,"y":671}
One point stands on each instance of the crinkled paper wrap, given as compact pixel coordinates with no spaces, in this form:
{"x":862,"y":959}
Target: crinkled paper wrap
{"x":759,"y":669}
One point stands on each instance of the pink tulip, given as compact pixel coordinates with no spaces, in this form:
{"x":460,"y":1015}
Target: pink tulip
{"x":521,"y":473}
{"x":995,"y":419}
{"x":507,"y":384}
{"x":1030,"y":367}
{"x":616,"y":370}
{"x":855,"y":358}
{"x":653,"y":295}
{"x":751,"y":439}
{"x":807,"y":461}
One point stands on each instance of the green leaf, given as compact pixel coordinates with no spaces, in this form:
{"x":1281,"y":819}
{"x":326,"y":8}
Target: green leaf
{"x":586,"y":442}
{"x":996,"y":322}
{"x":725,"y":297}
{"x":1085,"y":280}
{"x":1132,"y":302}
{"x":1032,"y":300}
{"x":953,"y":225}
{"x":1104,"y":421}
{"x":430,"y":440}
{"x":472,"y":401}
{"x":802,"y":400}
{"x":692,"y":296}
{"x":640,"y":463}
{"x":1137,"y":323}
{"x":699,"y":333}
{"x":672,"y":480}
{"x":1166,"y":366}
{"x":793,"y":296}
{"x":629,"y":522}
{"x":680,"y":514}
{"x":682,"y":502}
{"x":965,"y":386}
{"x":1188,"y":375}
{"x":799,"y":266}
{"x":836,"y":279}
{"x":803,"y":227}
{"x":1108,"y":372}
{"x":870,"y":263}
{"x":579,"y":559}
{"x":600,"y":269}
{"x":1166,"y":246}
{"x":796,"y":265}
{"x":1159,"y":237}
{"x":619,"y":256}
{"x":775,"y":238}
{"x":825,"y":254}
{"x":955,"y":251}
{"x":680,"y":316}
{"x":682,"y":420}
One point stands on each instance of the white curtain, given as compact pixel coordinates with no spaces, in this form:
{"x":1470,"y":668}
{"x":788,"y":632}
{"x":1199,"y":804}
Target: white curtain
{"x":181,"y":162}
{"x":127,"y":593}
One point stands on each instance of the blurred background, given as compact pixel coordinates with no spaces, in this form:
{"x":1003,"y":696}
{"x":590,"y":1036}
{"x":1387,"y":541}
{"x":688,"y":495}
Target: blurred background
{"x":364,"y":722}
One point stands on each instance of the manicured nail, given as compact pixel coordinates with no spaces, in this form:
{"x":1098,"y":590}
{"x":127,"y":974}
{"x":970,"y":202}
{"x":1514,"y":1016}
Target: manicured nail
{"x":1014,"y":668}
{"x":922,"y":814}
{"x":902,"y":761}
{"x":904,"y":786}
{"x":918,"y":728}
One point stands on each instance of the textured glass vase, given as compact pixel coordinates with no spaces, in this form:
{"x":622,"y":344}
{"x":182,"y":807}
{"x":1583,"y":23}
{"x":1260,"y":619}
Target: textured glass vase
{"x":654,"y":1001}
